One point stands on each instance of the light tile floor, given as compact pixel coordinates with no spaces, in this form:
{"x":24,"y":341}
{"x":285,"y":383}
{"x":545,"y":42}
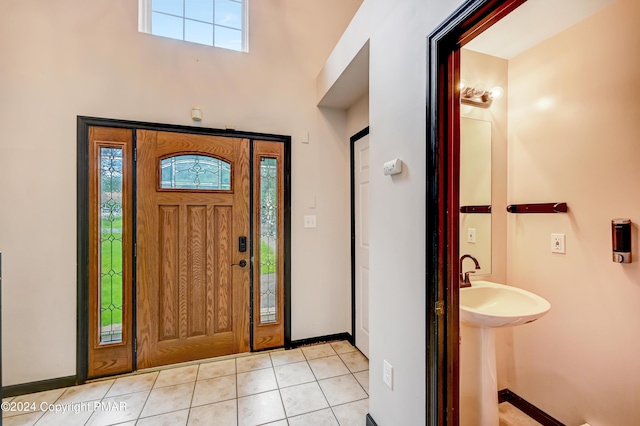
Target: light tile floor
{"x":324,"y":385}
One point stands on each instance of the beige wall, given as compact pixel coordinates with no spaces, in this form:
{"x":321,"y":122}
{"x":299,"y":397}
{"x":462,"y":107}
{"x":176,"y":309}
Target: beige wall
{"x":71,"y":57}
{"x":574,"y":121}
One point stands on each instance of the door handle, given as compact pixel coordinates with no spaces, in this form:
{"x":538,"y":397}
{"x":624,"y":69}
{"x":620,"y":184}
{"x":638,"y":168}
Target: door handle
{"x":241,"y":264}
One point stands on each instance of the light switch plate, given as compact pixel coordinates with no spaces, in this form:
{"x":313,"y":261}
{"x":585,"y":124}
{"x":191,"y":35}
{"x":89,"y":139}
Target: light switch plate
{"x":471,"y":235}
{"x":387,"y":374}
{"x":557,"y":243}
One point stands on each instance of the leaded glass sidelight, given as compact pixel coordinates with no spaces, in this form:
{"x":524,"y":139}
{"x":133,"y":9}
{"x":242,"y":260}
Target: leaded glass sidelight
{"x":195,"y":172}
{"x":268,"y":240}
{"x":110,"y":247}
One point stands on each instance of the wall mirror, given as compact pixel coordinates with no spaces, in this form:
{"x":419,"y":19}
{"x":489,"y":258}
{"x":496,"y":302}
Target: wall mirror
{"x":475,"y":192}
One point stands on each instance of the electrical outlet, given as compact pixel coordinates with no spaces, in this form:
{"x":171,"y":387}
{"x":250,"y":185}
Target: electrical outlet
{"x":310,"y":221}
{"x":471,"y":235}
{"x":557,"y":243}
{"x":387,"y":374}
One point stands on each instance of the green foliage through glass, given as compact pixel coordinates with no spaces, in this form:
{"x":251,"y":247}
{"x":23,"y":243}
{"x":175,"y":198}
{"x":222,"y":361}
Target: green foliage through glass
{"x":268,"y":239}
{"x":110,"y":249}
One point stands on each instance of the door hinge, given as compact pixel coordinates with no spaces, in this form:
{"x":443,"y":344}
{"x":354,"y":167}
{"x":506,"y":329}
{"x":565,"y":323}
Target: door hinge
{"x":135,"y":154}
{"x":439,"y":307}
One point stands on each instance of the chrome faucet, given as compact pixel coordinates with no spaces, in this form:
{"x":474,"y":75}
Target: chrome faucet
{"x":464,"y":276}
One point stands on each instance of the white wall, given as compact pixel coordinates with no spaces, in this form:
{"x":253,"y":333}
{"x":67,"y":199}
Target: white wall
{"x":397,"y":33}
{"x":71,"y":57}
{"x":573,"y":137}
{"x":397,"y":94}
{"x":344,"y":78}
{"x":358,"y":115}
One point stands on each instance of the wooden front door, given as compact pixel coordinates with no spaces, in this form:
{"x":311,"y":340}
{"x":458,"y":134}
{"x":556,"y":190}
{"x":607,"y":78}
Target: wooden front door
{"x":192,"y":268}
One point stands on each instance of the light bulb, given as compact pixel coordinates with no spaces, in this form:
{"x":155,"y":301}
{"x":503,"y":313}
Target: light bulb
{"x":496,"y":92}
{"x":463,"y":84}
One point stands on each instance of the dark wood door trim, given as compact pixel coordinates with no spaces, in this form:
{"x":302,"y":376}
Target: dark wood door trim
{"x":442,"y":198}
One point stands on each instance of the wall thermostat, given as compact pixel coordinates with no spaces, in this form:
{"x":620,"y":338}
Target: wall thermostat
{"x":392,"y":167}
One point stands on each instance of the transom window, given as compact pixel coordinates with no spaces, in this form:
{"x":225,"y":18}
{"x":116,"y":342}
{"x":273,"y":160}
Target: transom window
{"x":195,"y":172}
{"x":219,"y":23}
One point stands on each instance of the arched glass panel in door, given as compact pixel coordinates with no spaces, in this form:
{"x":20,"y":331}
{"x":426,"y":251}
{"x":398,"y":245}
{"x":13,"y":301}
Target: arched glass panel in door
{"x":195,"y":172}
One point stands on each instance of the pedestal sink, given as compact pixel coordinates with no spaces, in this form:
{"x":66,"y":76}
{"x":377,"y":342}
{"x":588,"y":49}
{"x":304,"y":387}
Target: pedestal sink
{"x":484,"y":307}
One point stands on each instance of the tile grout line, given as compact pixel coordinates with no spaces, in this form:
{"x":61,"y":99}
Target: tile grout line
{"x":92,"y":414}
{"x":326,"y":378}
{"x":328,"y":403}
{"x":306,"y":361}
{"x":100,"y":399}
{"x":194,"y":393}
{"x":287,"y":417}
{"x":148,"y":396}
{"x":312,"y":372}
{"x":351,"y":373}
{"x":235,"y":366}
{"x":338,"y":405}
{"x":284,"y":410}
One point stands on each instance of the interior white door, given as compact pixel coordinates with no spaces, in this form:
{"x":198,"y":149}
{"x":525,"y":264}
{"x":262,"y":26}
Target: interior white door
{"x":361,"y":197}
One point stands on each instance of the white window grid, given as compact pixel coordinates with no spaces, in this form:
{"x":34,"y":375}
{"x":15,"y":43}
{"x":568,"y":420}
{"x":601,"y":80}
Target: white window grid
{"x":146,"y":12}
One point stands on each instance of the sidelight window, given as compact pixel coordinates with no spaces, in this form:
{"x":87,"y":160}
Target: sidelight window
{"x":268,"y":240}
{"x":110,"y":247}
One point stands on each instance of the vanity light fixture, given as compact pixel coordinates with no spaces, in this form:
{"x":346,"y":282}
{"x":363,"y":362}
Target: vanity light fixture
{"x":478,"y":96}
